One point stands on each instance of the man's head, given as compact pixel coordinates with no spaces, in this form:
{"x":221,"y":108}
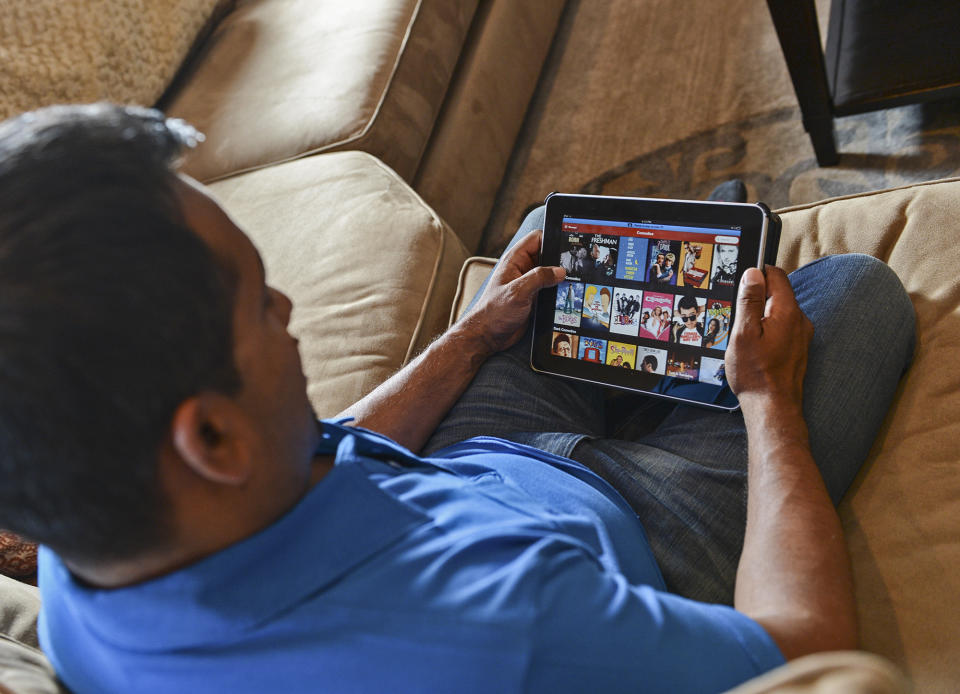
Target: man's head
{"x":133,"y":362}
{"x":727,"y":257}
{"x":687,"y":311}
{"x":561,"y":345}
{"x":649,"y":363}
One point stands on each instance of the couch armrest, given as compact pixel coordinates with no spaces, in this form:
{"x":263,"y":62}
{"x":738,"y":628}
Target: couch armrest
{"x":474,"y":272}
{"x":838,"y":672}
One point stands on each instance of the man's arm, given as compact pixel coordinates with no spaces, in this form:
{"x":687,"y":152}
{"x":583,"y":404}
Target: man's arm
{"x":410,"y":404}
{"x":794,"y":575}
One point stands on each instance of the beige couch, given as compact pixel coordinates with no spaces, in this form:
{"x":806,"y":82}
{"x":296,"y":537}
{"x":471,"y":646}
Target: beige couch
{"x":436,"y":89}
{"x":902,"y":513}
{"x":362,"y":149}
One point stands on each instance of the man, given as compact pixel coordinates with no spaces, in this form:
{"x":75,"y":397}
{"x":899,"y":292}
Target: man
{"x":725,"y":266}
{"x":689,"y":328}
{"x":593,"y":267}
{"x":562,"y":346}
{"x":572,"y":260}
{"x":202,"y":533}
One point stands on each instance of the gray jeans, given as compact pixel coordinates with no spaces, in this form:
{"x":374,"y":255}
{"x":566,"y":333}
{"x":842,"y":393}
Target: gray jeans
{"x":683,"y":468}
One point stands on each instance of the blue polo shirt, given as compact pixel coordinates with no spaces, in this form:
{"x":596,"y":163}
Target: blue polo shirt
{"x":490,"y":567}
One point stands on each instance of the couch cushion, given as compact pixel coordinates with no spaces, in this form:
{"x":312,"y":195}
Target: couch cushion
{"x":19,"y":607}
{"x":25,"y":670}
{"x":838,"y":672}
{"x":902,"y":515}
{"x":370,"y":268}
{"x":126,"y":51}
{"x":473,"y":274}
{"x":284,"y":78}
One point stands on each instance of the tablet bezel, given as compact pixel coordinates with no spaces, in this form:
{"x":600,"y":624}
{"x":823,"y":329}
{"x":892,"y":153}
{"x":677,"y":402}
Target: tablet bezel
{"x":753,"y":221}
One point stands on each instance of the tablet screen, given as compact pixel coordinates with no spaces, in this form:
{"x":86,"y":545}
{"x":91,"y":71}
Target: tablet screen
{"x":647,"y":304}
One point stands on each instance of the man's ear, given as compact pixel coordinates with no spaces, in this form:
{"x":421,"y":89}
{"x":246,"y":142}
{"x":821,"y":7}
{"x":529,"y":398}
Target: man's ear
{"x":210,"y":435}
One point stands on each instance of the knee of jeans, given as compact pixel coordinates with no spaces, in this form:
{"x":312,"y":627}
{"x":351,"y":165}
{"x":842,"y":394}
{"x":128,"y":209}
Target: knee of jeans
{"x":534,"y":219}
{"x":874,"y":283}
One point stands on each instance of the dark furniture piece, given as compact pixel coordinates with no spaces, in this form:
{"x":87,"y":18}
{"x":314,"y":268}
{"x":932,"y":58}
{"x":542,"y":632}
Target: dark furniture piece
{"x":879,"y":54}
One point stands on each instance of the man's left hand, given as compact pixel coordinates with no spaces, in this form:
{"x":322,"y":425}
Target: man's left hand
{"x":500,"y":316}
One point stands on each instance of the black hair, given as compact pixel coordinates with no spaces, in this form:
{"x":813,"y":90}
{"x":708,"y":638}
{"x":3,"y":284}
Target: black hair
{"x":112,"y":313}
{"x":687,"y":302}
{"x":651,"y":360}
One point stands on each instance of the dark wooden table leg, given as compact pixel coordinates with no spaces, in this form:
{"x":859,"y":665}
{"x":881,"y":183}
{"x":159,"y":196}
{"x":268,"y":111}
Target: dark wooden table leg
{"x":796,"y":25}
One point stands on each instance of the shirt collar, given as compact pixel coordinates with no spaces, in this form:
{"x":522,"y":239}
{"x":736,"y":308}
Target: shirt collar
{"x":342,"y":520}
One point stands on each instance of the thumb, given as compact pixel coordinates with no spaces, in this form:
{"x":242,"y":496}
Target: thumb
{"x":751,"y":300}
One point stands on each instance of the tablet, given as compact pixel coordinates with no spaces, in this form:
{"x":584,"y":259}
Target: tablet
{"x":649,"y":299}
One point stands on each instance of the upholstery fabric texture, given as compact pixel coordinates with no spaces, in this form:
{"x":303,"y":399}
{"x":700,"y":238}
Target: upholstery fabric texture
{"x":468,"y":152}
{"x":841,"y":672}
{"x":126,"y":51}
{"x":370,"y":268}
{"x":281,"y":79}
{"x":472,"y":275}
{"x":25,"y":670}
{"x":19,"y":607}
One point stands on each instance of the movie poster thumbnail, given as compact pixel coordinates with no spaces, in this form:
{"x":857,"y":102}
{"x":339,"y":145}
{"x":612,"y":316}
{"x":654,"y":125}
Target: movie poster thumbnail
{"x":723,"y":270}
{"x":569,"y":304}
{"x":712,"y":371}
{"x":600,"y":265}
{"x":651,"y":360}
{"x":621,"y":354}
{"x":632,"y":259}
{"x":655,"y":313}
{"x":716,"y":330}
{"x":597,"y":302}
{"x":592,"y":349}
{"x":564,"y":345}
{"x":688,"y":313}
{"x":683,"y":366}
{"x":573,"y":253}
{"x":663,"y":257}
{"x":626,"y":315}
{"x":695,"y":264}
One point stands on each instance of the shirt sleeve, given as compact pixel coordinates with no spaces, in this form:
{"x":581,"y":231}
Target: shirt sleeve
{"x":597,"y":632}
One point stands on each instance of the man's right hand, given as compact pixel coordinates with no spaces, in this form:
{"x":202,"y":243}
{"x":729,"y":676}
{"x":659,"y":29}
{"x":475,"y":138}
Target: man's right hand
{"x":768,"y":348}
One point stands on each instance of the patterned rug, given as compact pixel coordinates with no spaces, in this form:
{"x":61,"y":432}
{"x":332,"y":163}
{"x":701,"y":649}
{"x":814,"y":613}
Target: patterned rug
{"x":730,"y":111}
{"x":879,"y":150}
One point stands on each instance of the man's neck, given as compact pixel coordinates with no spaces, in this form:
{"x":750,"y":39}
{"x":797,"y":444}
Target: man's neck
{"x":196,"y":540}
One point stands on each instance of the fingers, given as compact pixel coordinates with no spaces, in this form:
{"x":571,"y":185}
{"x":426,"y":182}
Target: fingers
{"x":779,"y":290}
{"x":751,"y":300}
{"x":539,"y":278}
